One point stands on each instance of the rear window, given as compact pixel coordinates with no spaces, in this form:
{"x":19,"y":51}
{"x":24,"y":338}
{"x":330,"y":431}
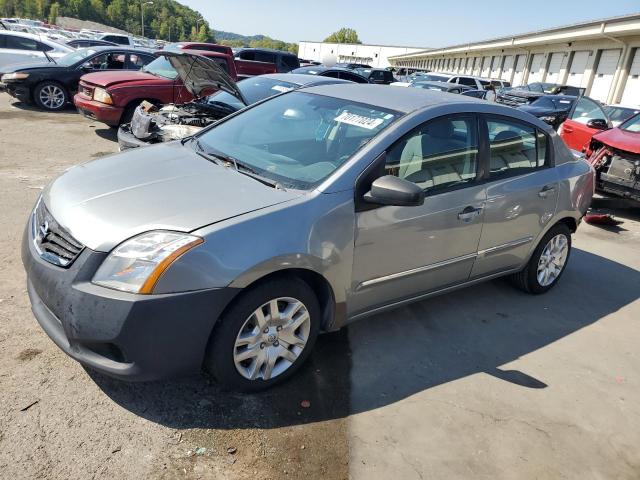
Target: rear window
{"x":222,"y":63}
{"x":290,"y":61}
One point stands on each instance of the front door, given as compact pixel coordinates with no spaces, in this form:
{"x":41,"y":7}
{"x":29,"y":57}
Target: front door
{"x":522,"y":193}
{"x":574,"y":130}
{"x":401,"y":252}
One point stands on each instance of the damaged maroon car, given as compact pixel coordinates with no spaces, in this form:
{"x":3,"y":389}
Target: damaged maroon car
{"x":615,"y":155}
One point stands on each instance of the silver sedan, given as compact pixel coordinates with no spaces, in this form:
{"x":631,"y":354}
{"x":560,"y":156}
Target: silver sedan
{"x":229,"y":251}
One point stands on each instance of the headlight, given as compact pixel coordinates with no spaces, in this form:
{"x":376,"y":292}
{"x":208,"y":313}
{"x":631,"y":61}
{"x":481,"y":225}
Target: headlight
{"x":101,"y":95}
{"x":137,"y":264}
{"x":7,"y":77}
{"x":548,"y":119}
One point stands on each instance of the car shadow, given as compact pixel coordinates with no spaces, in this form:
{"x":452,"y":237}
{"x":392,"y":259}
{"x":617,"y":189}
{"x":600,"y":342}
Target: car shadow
{"x":106,"y":132}
{"x":69,"y":110}
{"x":388,"y":357}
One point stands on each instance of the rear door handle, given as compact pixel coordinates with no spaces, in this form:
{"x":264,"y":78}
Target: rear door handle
{"x":546,"y":190}
{"x":469,"y":213}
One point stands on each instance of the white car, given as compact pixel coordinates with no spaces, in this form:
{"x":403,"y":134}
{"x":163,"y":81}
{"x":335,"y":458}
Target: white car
{"x":478,"y":83}
{"x":18,"y":47}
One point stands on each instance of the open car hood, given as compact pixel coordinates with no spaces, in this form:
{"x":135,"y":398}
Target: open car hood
{"x":199,"y":74}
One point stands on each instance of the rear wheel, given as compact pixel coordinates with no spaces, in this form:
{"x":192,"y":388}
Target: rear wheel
{"x":265,"y":336}
{"x":548,"y":262}
{"x":50,"y":96}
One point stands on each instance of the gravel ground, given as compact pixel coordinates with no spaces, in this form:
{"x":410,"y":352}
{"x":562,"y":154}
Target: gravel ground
{"x":58,"y":420}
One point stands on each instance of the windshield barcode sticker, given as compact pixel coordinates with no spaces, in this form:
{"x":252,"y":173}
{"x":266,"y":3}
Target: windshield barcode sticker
{"x":281,"y":88}
{"x":359,"y":120}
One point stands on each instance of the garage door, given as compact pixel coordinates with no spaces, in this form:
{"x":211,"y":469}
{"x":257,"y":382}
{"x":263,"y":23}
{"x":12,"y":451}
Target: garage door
{"x":604,"y":74}
{"x":495,"y":66}
{"x":519,"y":73}
{"x":470,"y":66}
{"x":555,"y":65}
{"x":507,"y":69}
{"x":486,"y":67}
{"x":537,"y":65}
{"x":577,"y":69}
{"x":631,"y":95}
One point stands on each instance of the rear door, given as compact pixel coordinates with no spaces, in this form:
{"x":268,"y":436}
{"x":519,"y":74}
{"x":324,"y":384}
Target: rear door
{"x":574,"y":130}
{"x":521,"y":191}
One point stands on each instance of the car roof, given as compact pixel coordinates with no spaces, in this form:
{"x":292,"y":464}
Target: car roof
{"x":272,"y":50}
{"x":403,"y":100}
{"x":438,"y":84}
{"x":126,"y":48}
{"x":302,"y":79}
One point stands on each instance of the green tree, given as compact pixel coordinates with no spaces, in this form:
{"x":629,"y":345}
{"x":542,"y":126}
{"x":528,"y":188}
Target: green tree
{"x":194,"y":34}
{"x":54,"y":9}
{"x":344,"y":35}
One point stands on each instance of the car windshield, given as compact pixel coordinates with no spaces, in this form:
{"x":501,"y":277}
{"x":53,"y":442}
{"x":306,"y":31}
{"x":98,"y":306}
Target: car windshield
{"x":552,"y":103}
{"x":631,"y":125}
{"x":75,"y":57}
{"x":161,"y":67}
{"x":432,"y":77}
{"x":297,"y":139}
{"x":253,"y":90}
{"x":429,"y":86}
{"x":620,"y":114}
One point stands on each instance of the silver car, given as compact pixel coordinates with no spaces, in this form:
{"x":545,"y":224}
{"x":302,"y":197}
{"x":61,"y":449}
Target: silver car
{"x":229,"y":251}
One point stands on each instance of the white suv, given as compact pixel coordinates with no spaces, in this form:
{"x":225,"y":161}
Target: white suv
{"x":478,"y":83}
{"x":19,"y":47}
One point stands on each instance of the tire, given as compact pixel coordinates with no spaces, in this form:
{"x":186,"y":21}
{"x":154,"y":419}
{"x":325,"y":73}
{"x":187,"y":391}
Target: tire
{"x":50,"y":96}
{"x":251,"y":367}
{"x":127,"y":115}
{"x":532,"y":281}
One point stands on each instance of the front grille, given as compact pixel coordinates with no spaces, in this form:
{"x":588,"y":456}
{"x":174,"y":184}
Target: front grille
{"x":512,"y":100}
{"x":53,"y":243}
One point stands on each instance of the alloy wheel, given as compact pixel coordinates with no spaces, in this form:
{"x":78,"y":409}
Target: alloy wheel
{"x":52,"y":97}
{"x":272,"y":338}
{"x":552,"y":260}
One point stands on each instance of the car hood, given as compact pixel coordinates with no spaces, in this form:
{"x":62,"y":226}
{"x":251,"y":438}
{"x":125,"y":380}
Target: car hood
{"x":108,"y":79}
{"x":166,"y":186}
{"x":19,"y":67}
{"x":540,"y":111}
{"x":620,"y":140}
{"x":199,"y":74}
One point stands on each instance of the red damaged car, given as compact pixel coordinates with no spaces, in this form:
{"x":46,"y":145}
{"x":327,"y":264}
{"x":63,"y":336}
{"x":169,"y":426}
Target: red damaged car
{"x":111,"y":97}
{"x":615,"y":155}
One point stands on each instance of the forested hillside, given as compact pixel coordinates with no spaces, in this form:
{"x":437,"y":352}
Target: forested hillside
{"x":165,"y":19}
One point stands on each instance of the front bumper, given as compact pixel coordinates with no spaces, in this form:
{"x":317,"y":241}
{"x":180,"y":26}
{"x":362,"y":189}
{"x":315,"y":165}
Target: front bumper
{"x":98,"y":111}
{"x":21,"y":92}
{"x":124,"y":335}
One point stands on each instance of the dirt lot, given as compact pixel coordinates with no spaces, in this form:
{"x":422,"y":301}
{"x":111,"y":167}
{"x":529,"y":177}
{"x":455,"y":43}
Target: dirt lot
{"x":482,"y":383}
{"x":59,"y":421}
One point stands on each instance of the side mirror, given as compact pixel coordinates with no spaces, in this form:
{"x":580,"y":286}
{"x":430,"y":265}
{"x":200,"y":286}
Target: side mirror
{"x":598,"y":124}
{"x":87,"y":67}
{"x":391,"y":190}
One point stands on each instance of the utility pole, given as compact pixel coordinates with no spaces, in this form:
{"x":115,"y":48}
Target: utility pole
{"x":142,"y":4}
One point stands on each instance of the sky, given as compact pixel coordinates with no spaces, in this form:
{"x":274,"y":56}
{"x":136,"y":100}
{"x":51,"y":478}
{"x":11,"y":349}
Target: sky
{"x":402,"y":22}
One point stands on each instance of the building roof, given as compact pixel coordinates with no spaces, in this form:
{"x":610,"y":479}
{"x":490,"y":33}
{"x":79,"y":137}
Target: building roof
{"x":613,"y":26}
{"x":365,"y":45}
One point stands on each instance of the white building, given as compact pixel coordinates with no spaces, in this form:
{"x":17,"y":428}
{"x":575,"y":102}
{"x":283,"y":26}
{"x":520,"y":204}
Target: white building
{"x":374,"y":55}
{"x":602,"y":56}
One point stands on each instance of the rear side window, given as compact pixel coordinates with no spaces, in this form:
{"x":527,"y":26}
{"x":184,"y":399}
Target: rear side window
{"x":290,"y":61}
{"x":265,"y":57}
{"x":467,"y":81}
{"x":515,"y":148}
{"x":119,"y":39}
{"x":21,"y":43}
{"x":3,"y":41}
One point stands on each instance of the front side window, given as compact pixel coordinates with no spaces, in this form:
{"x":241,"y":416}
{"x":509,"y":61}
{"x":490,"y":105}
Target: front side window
{"x":297,"y":139}
{"x":438,"y":154}
{"x":265,"y":57}
{"x":586,"y":110}
{"x":470,"y":82}
{"x":515,"y":148}
{"x":108,"y":61}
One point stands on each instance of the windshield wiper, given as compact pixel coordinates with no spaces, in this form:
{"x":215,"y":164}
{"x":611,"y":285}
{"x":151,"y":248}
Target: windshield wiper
{"x":228,"y":160}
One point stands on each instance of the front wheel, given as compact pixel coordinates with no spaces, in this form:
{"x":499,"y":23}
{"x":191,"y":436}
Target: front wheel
{"x":50,"y":96}
{"x":265,"y":336}
{"x":548,"y":262}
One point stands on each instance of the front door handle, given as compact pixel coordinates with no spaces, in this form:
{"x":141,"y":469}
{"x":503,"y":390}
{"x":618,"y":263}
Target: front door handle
{"x":567,"y":129}
{"x":469,"y":213}
{"x":546,"y":191}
